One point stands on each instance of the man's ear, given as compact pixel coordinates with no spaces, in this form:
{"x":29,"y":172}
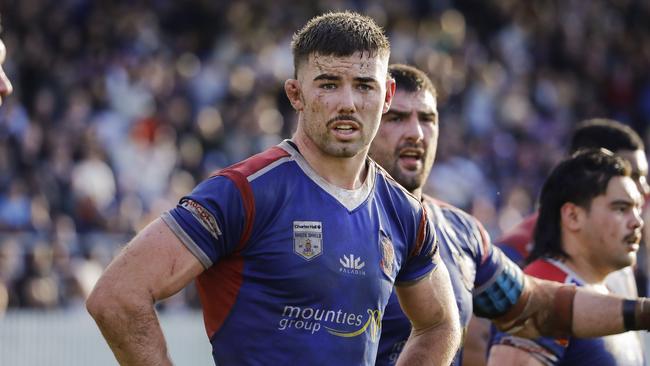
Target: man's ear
{"x":390,"y":92}
{"x":292,"y":88}
{"x":572,"y":216}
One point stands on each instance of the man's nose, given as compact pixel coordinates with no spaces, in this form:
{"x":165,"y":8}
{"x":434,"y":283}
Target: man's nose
{"x":414,"y":130}
{"x":347,"y":101}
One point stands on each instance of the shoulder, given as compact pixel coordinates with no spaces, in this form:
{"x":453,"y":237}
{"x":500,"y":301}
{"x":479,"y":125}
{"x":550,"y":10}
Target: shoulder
{"x":256,"y":165}
{"x":450,"y":212}
{"x":390,"y":186}
{"x":516,"y":243}
{"x":469,"y":228}
{"x":547,"y":270}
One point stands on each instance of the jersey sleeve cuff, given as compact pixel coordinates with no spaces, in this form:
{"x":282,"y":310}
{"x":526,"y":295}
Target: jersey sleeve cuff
{"x":169,"y":219}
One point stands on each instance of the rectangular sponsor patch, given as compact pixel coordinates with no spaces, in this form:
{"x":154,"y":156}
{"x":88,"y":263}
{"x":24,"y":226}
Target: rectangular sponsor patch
{"x":203,"y":216}
{"x":308,"y":238}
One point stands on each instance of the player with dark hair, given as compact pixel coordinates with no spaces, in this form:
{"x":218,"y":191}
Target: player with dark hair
{"x":589,"y":225}
{"x":516,"y":243}
{"x":592,"y":133}
{"x":296,"y":249}
{"x":485,"y":281}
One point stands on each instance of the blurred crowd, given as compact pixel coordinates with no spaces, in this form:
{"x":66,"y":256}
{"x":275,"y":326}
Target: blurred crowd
{"x":121,"y":106}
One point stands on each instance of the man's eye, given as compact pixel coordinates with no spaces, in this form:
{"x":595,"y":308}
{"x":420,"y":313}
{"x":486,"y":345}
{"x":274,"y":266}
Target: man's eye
{"x":364,"y":87}
{"x":393,"y":118}
{"x":328,"y":86}
{"x":621,"y":209}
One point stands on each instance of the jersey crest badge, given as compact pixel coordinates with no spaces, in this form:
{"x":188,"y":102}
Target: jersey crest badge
{"x":387,"y":255}
{"x":308,"y":239}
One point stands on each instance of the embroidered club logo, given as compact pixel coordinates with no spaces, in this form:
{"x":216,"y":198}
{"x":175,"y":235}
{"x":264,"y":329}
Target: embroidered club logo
{"x":387,"y":255}
{"x":308,"y":239}
{"x":352,"y":265}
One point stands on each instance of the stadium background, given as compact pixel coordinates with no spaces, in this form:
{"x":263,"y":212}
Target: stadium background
{"x":122,"y":106}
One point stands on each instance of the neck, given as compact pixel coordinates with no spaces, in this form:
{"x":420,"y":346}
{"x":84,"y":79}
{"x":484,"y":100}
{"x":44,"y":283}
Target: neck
{"x":417,"y":193}
{"x":347,"y":173}
{"x":581,"y":263}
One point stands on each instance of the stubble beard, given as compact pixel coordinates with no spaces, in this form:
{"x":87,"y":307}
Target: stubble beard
{"x":410,"y":182}
{"x":331,"y":147}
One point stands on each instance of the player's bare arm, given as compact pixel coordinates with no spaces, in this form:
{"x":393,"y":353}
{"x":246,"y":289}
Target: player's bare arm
{"x":429,"y":304}
{"x":554,"y":309}
{"x":154,"y":265}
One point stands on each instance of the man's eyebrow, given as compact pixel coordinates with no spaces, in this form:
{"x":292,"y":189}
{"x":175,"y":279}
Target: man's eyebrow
{"x":365,"y":79}
{"x":397,"y":112}
{"x":327,"y":77}
{"x":624,"y":203}
{"x":427,"y":114}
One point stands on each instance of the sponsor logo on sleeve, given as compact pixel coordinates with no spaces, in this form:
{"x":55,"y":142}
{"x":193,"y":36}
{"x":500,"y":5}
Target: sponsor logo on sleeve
{"x":203,"y":216}
{"x":308,"y":239}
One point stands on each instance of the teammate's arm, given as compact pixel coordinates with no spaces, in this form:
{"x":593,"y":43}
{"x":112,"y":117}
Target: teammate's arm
{"x":154,"y":265}
{"x":430,"y":306}
{"x":554,"y":309}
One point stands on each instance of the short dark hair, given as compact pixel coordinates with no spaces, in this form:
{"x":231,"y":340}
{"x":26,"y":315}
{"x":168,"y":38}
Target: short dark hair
{"x":410,"y":79}
{"x":578,"y":179}
{"x":338,"y":34}
{"x":604,"y":133}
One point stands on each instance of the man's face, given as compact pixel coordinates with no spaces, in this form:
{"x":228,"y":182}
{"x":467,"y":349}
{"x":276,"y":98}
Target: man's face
{"x":5,"y":85}
{"x":639,"y":164}
{"x":341,"y":100}
{"x":408,"y":137}
{"x":612,"y":226}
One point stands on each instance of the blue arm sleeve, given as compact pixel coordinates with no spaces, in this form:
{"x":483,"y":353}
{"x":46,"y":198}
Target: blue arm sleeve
{"x":210,"y":220}
{"x":499,"y":285}
{"x":423,"y":256}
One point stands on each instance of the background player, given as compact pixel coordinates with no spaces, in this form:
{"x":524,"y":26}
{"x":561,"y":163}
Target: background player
{"x":516,"y":244}
{"x":267,"y":296}
{"x":589,"y":225}
{"x":405,"y":146}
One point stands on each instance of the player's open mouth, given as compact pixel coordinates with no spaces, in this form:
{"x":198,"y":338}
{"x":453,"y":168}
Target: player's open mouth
{"x":633,"y":241}
{"x":345,"y":128}
{"x":411,"y":158}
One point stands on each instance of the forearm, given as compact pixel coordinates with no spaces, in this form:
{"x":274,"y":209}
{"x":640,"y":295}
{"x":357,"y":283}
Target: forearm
{"x":552,"y":309}
{"x":435,"y":337}
{"x":608,"y":314}
{"x":596,"y":315}
{"x":132,"y":332}
{"x":434,"y":346}
{"x":154,"y":266}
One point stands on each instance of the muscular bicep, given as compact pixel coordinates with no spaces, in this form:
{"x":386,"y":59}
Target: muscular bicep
{"x":430,"y":300}
{"x":155,"y":261}
{"x":505,"y":355}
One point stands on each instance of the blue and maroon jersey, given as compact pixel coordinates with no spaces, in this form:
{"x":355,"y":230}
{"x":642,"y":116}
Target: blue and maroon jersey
{"x":297,"y":270}
{"x":518,"y":242}
{"x":471,"y":261}
{"x":620,"y":349}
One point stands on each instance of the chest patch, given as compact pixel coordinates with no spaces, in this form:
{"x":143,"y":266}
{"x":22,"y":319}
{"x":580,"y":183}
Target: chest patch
{"x":387,"y":255}
{"x":308,"y":239}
